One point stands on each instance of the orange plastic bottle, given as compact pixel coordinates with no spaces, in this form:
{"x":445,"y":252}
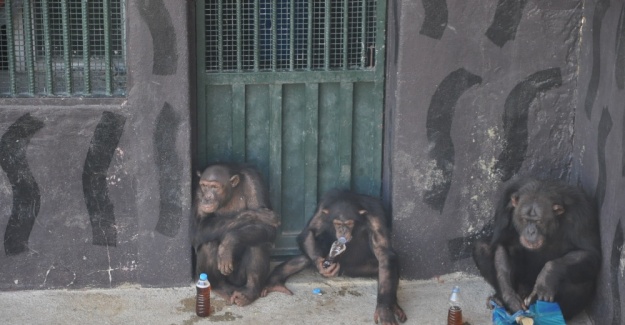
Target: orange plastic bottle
{"x":203,"y":297}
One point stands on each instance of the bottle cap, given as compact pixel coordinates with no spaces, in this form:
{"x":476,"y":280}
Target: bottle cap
{"x":203,"y":277}
{"x":317,"y":291}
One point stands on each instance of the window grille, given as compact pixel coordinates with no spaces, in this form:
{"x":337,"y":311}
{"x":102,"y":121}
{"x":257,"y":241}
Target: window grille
{"x":289,"y":35}
{"x":62,"y":48}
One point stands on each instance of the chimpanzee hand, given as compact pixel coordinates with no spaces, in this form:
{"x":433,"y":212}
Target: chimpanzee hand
{"x":225,"y":255}
{"x":330,"y":271}
{"x":545,"y":288}
{"x":513,"y":301}
{"x":386,"y":314}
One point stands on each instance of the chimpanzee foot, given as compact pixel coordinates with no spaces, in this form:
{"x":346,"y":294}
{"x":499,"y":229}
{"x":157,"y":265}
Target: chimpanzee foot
{"x":223,"y":294}
{"x":275,"y":288}
{"x":242,"y":298}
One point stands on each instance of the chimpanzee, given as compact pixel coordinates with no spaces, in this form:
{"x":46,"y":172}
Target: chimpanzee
{"x":233,"y":230}
{"x":361,"y":221}
{"x":545,"y":246}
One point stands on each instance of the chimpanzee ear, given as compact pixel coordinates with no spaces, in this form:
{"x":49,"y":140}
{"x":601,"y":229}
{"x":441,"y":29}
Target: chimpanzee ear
{"x":234,"y":180}
{"x":198,"y":173}
{"x":325,"y":211}
{"x":558,"y":209}
{"x":362,"y":212}
{"x":514,"y":199}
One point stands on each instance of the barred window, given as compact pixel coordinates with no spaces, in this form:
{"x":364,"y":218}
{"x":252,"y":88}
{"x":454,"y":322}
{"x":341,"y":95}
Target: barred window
{"x":62,"y":48}
{"x":289,"y":35}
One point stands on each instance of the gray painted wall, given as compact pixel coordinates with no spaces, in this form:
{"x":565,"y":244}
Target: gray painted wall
{"x":599,"y":164}
{"x":113,"y":176}
{"x":480,"y":92}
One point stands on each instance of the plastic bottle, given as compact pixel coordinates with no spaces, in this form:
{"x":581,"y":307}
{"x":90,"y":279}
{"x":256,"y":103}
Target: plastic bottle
{"x":454,"y":315}
{"x":203,"y":297}
{"x":337,"y":248}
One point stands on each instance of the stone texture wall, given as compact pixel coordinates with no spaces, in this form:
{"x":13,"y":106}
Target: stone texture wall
{"x":96,"y":192}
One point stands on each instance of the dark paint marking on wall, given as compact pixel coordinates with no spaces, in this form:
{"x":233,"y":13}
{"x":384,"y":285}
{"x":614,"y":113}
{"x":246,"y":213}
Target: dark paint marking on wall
{"x":438,"y":124}
{"x":515,"y":118}
{"x":156,"y":16}
{"x":593,"y":85}
{"x":170,"y":171}
{"x":619,"y":65}
{"x":506,"y":21}
{"x":26,"y":197}
{"x":604,"y":128}
{"x":623,"y":150}
{"x":435,"y":20}
{"x":94,"y":186}
{"x":615,"y":270}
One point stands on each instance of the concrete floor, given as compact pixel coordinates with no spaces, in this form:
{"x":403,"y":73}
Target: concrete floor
{"x":344,"y":301}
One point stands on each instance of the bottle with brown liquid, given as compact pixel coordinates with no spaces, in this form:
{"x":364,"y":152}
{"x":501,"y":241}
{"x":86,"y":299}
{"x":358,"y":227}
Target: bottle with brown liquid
{"x":203,"y":297}
{"x":454,"y":315}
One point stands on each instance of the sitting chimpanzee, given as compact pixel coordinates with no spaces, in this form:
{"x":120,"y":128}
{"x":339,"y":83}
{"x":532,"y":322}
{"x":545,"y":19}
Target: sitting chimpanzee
{"x":233,"y":230}
{"x":545,"y":246}
{"x":361,"y":221}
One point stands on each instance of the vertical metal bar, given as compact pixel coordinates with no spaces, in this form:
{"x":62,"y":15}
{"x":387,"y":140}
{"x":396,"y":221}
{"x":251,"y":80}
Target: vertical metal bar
{"x":10,"y":47}
{"x":107,"y":46}
{"x":201,"y":123}
{"x":274,"y":35}
{"x":86,"y":51}
{"x":238,"y":122}
{"x":275,"y":142}
{"x":256,"y":35}
{"x":47,"y":47}
{"x":67,"y":48}
{"x":220,"y":36}
{"x":345,"y":132}
{"x":326,"y":41}
{"x":311,"y":150}
{"x":345,"y":31}
{"x":363,"y":35}
{"x":292,"y":36}
{"x":28,"y":47}
{"x":309,"y":54}
{"x":239,"y":47}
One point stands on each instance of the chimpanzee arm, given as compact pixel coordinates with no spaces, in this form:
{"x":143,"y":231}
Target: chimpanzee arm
{"x":504,"y":270}
{"x":213,"y":228}
{"x":576,"y":266}
{"x":307,"y":240}
{"x":388,"y":271}
{"x":254,"y":233}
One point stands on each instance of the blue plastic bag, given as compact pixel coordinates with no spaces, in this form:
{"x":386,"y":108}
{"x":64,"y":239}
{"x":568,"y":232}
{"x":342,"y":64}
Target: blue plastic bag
{"x":543,"y":313}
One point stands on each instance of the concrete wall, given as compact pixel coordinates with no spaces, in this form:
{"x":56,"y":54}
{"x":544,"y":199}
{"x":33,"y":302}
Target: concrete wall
{"x":480,"y":92}
{"x":599,"y":164}
{"x":97,"y":192}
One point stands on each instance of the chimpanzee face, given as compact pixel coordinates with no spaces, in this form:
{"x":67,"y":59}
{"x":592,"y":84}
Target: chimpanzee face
{"x":345,"y":217}
{"x":535,"y":218}
{"x":344,"y":229}
{"x":215,"y":189}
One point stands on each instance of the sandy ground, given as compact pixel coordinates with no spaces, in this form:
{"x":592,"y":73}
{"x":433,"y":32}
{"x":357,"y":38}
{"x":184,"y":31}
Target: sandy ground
{"x":344,"y":301}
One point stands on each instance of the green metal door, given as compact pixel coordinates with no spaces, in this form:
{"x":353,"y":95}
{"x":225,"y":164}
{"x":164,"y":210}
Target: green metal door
{"x":296,"y":88}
